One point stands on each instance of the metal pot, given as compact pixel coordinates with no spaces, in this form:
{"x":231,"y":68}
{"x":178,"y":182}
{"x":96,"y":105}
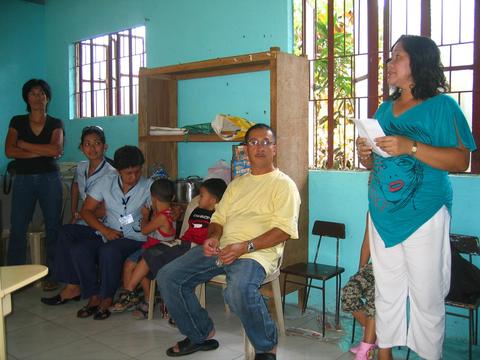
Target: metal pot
{"x":196,"y":181}
{"x":187,"y":189}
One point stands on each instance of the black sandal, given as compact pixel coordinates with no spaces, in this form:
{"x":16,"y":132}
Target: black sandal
{"x":265,"y":356}
{"x":186,"y":347}
{"x":87,"y":311}
{"x":57,"y":300}
{"x":101,"y":314}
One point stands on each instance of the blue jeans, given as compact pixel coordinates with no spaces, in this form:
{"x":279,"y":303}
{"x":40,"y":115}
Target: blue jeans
{"x":26,"y":190}
{"x":177,"y":282}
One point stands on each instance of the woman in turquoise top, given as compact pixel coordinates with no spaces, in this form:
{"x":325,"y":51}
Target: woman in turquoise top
{"x":410,"y":197}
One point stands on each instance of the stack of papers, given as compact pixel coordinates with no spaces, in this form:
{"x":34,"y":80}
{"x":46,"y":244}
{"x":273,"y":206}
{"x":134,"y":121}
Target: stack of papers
{"x":161,"y":130}
{"x":370,"y":129}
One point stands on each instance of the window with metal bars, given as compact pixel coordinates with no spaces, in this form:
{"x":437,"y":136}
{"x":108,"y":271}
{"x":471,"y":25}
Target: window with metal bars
{"x":348,"y":42}
{"x":106,"y":73}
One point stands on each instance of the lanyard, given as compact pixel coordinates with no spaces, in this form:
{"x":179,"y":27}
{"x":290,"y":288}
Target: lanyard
{"x":124,"y":200}
{"x":99,"y":168}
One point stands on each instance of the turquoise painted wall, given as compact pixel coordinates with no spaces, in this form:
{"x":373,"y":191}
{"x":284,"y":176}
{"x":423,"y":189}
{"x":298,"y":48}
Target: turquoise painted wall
{"x":177,"y":32}
{"x":39,"y":44}
{"x":22,"y":57}
{"x":341,"y":196}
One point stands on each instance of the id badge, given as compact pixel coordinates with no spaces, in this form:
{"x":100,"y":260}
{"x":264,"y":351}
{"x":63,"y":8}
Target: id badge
{"x":125,"y":220}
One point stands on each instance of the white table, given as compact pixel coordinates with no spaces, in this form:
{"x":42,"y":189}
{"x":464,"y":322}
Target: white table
{"x":13,"y":278}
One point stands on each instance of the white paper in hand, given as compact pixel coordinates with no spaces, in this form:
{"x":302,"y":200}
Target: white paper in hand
{"x":370,"y":129}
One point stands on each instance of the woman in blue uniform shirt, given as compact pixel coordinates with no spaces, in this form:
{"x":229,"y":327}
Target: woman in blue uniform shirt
{"x":99,"y":258}
{"x":87,"y":174}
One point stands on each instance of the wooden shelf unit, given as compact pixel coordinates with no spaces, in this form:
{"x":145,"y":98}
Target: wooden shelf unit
{"x":289,"y":94}
{"x":181,"y":138}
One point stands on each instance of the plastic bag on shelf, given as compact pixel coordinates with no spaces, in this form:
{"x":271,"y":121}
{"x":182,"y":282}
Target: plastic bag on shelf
{"x":205,"y":128}
{"x":230,"y":127}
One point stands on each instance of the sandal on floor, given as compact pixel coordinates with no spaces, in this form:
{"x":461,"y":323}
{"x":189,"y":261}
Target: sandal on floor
{"x":50,"y":285}
{"x":57,"y":300}
{"x":102,"y":314}
{"x":141,"y":311}
{"x":186,"y":347}
{"x":86,"y":311}
{"x":265,"y":356}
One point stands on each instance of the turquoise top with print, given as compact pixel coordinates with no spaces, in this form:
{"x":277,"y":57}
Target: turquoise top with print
{"x":404,"y":192}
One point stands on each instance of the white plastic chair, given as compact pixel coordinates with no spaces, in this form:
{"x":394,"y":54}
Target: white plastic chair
{"x":153,"y":284}
{"x":274,"y":281}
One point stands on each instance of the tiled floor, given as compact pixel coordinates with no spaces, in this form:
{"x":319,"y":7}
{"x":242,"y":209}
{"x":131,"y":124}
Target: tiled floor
{"x":36,"y":332}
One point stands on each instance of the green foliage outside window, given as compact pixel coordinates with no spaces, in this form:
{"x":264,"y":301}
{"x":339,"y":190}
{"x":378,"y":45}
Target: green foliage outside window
{"x":343,"y":52}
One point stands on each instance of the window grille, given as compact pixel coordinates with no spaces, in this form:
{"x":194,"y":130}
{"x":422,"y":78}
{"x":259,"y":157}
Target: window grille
{"x":347,"y":43}
{"x":106,"y":73}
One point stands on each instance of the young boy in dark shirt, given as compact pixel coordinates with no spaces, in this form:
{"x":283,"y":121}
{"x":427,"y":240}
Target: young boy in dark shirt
{"x":154,"y":258}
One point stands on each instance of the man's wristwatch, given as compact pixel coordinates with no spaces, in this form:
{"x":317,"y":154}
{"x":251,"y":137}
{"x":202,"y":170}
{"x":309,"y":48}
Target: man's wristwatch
{"x":414,"y":149}
{"x":250,"y":246}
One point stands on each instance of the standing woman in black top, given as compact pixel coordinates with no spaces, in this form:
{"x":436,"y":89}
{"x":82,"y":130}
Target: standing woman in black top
{"x":34,"y":140}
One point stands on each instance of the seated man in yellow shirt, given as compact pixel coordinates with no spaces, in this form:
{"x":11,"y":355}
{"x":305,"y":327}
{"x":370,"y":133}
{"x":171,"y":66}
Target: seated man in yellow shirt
{"x":246,"y":237}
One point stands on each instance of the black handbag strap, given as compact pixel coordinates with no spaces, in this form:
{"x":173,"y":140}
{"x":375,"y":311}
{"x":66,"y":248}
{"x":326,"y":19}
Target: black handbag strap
{"x":7,"y":182}
{"x":8,"y":176}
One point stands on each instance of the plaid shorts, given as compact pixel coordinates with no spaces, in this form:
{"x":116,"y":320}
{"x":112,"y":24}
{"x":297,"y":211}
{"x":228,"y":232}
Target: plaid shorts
{"x":359,"y":293}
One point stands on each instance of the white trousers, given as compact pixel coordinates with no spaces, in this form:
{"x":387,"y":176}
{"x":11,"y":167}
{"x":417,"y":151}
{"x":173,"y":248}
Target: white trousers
{"x":417,"y":269}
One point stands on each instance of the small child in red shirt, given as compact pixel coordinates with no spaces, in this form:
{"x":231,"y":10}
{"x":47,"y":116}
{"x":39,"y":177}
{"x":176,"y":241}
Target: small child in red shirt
{"x":160,"y":227}
{"x":159,"y":253}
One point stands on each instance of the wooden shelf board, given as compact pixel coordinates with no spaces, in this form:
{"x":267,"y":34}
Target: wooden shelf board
{"x":241,"y":63}
{"x":183,"y":138}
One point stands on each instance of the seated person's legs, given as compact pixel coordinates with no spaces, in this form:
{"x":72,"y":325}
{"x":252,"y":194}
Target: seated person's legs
{"x":112,"y":255}
{"x":179,"y":278}
{"x":128,"y":269}
{"x":69,"y":236}
{"x":134,"y":273}
{"x":244,"y":277}
{"x":358,"y":297}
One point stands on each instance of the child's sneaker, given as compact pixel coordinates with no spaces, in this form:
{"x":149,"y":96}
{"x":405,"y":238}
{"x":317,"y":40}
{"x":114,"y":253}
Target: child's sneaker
{"x":125,"y":303}
{"x":141,"y":311}
{"x":365,"y":351}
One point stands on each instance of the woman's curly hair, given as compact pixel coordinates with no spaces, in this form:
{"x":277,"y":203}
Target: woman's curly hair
{"x":426,"y":67}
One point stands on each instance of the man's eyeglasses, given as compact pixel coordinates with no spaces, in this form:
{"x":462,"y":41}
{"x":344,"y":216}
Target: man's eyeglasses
{"x":256,"y":142}
{"x":95,"y":128}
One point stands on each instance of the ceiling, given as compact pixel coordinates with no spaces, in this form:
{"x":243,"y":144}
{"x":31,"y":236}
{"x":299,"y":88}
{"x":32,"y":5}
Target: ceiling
{"x":42,"y":2}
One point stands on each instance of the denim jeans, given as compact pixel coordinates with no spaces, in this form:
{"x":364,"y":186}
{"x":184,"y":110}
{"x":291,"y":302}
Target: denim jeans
{"x":177,"y":282}
{"x":26,"y":190}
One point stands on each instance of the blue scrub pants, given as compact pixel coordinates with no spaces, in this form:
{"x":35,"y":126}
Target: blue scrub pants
{"x":98,"y":265}
{"x":69,"y":236}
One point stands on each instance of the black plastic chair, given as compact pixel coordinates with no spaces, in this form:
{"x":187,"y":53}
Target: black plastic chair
{"x":470,"y":246}
{"x":316,"y":271}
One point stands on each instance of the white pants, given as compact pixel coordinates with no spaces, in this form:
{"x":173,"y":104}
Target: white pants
{"x":417,"y":268}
